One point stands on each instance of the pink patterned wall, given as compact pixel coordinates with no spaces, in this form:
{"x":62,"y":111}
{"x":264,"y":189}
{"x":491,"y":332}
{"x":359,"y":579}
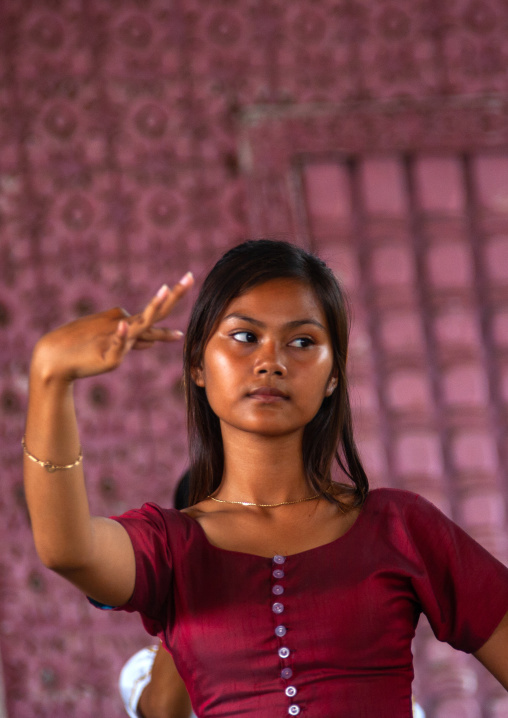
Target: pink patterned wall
{"x":139,"y":139}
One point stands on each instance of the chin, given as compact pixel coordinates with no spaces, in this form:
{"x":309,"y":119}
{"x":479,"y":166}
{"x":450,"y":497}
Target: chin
{"x":274,"y":430}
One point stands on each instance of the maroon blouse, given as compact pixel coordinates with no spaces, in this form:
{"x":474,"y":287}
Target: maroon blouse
{"x":325,"y":632}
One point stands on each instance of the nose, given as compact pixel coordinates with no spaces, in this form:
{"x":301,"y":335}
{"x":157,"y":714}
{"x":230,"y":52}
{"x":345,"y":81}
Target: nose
{"x":270,"y":360}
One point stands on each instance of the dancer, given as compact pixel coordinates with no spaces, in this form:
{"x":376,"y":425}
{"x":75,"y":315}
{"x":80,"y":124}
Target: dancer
{"x":287,"y":587}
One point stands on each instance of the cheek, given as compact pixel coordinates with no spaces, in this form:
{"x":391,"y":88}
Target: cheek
{"x":323,"y":370}
{"x":217,"y":368}
{"x":221,"y":376}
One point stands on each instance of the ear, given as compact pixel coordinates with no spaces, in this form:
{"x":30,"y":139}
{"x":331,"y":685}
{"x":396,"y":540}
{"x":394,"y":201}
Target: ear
{"x":332,"y":385}
{"x":198,"y":376}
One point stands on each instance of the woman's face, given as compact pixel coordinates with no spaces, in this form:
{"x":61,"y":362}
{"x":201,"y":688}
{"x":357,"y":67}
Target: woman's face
{"x":269,"y":363}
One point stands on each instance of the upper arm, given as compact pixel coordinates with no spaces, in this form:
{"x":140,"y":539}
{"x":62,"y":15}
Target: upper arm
{"x":110,"y":575}
{"x":494,"y":652}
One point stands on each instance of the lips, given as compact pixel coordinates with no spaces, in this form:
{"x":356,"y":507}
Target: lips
{"x":267,"y":392}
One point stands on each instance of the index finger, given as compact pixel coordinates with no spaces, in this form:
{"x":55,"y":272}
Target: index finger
{"x":162,"y":304}
{"x":170,"y":297}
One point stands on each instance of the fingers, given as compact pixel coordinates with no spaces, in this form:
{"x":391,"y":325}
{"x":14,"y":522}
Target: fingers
{"x":137,"y":331}
{"x":141,"y":333}
{"x":160,"y":334}
{"x":161,"y":305}
{"x":169,"y":297}
{"x":118,"y":347}
{"x":152,"y":335}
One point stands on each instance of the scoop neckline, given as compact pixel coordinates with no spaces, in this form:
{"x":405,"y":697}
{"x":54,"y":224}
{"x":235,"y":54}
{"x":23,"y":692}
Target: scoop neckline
{"x":350,"y":530}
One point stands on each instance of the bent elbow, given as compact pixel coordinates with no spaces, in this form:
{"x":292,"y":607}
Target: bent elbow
{"x":59,"y":559}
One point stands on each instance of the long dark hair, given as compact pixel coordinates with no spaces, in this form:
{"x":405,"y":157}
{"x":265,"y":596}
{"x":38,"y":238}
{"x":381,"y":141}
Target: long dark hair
{"x":329,"y":436}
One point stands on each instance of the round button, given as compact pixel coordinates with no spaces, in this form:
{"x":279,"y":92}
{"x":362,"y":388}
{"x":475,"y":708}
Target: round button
{"x":277,"y":589}
{"x":284,"y":652}
{"x":286,"y":673}
{"x":294,"y":710}
{"x":278,"y":607}
{"x":280,"y":631}
{"x":278,"y":573}
{"x":291,"y":691}
{"x":279,"y":559}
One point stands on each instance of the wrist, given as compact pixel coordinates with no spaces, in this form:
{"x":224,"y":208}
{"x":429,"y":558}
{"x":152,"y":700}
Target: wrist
{"x":45,"y":369}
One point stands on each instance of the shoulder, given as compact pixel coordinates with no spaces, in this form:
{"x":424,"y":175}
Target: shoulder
{"x":411,"y":512}
{"x":413,"y":521}
{"x":396,"y":500}
{"x":150,"y":512}
{"x":153,"y":519}
{"x":401,"y":500}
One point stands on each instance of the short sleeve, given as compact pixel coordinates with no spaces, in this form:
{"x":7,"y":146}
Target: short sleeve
{"x":462,"y":588}
{"x":147,"y":529}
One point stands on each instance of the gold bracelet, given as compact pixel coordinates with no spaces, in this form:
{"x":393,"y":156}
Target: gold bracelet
{"x":48,"y":465}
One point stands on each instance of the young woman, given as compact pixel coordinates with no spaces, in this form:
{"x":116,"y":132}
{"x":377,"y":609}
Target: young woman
{"x":279,"y":591}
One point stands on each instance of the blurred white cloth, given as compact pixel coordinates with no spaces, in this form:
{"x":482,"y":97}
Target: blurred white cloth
{"x":134,"y":677}
{"x":417,"y":711}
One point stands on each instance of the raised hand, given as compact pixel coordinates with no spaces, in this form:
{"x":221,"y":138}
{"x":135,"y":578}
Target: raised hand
{"x":98,"y":343}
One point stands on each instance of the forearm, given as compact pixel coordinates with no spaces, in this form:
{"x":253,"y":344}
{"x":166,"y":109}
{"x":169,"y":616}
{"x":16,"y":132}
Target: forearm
{"x":57,"y":502}
{"x":96,"y":554}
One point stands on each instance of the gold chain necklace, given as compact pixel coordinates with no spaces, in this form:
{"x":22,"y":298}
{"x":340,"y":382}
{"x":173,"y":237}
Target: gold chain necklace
{"x":264,"y":506}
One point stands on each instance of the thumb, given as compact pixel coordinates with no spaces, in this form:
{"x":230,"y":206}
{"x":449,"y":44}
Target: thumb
{"x":119,"y":345}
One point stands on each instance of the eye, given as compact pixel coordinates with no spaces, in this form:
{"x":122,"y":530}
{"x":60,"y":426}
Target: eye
{"x":244,"y":337}
{"x":301,"y":342}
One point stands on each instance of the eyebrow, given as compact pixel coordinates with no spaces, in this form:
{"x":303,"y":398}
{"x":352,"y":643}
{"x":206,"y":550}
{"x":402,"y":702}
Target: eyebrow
{"x":290,"y":325}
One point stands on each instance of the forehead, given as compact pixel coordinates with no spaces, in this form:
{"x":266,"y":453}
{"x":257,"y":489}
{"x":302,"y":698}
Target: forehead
{"x":279,"y":300}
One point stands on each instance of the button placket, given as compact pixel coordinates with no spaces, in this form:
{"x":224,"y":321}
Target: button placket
{"x":283,"y":651}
